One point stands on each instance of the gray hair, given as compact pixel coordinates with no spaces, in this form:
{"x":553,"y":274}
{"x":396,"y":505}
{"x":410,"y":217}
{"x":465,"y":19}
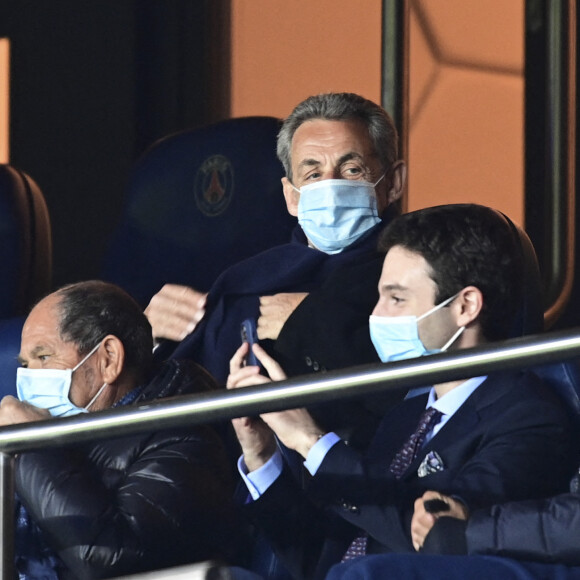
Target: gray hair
{"x":341,"y":107}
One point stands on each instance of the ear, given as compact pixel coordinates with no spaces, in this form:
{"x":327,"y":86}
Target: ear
{"x":291,"y":195}
{"x":468,"y":305}
{"x":398,"y":180}
{"x":111,"y":359}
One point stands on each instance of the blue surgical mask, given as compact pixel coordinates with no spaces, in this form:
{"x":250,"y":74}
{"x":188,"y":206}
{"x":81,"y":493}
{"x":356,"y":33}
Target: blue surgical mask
{"x":335,"y":213}
{"x":50,"y":388}
{"x":397,"y":337}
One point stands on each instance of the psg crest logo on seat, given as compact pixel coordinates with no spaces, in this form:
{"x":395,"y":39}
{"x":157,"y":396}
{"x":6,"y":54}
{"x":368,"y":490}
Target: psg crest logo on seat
{"x":214,"y":185}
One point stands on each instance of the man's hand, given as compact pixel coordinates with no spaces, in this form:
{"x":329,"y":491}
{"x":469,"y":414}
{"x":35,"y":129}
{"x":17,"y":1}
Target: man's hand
{"x":175,"y":311}
{"x":423,"y":521}
{"x":275,"y":311}
{"x":13,"y":411}
{"x":256,"y":438}
{"x":295,"y":428}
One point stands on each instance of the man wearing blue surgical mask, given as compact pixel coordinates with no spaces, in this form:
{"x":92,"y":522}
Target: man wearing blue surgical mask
{"x":344,"y":182}
{"x":337,"y":187}
{"x":55,"y":379}
{"x":87,"y":510}
{"x":452,"y":279}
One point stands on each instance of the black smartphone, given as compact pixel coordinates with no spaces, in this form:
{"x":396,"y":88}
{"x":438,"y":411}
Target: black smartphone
{"x":434,"y":506}
{"x":249,"y":334}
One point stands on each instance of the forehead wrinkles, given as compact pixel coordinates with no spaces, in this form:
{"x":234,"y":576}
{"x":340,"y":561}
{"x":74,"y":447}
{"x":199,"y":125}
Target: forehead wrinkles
{"x":324,"y":134}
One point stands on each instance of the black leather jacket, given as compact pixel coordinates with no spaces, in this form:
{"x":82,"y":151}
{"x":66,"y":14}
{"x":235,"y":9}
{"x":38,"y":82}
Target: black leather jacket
{"x":136,"y":503}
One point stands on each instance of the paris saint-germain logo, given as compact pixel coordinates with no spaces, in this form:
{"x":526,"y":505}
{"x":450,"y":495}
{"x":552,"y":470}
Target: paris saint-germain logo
{"x":214,"y":185}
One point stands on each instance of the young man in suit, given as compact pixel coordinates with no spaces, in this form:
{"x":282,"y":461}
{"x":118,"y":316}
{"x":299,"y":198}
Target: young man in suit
{"x":452,"y":278}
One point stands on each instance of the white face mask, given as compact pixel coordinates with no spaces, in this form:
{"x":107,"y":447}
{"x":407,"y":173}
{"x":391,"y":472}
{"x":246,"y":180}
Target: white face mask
{"x":397,"y":337}
{"x":50,"y":388}
{"x":335,"y":213}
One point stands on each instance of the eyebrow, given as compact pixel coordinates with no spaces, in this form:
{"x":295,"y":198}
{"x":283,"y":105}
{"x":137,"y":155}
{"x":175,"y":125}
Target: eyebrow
{"x":391,"y":287}
{"x":33,"y":353}
{"x":343,"y":159}
{"x":349,"y":157}
{"x":308,"y":163}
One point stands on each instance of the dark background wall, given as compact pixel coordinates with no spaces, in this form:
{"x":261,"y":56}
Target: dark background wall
{"x":95,"y":82}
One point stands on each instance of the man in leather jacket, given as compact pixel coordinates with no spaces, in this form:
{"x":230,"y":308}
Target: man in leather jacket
{"x":120,"y":506}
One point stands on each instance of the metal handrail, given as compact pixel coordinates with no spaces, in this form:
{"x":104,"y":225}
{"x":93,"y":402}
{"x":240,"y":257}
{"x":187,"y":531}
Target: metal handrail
{"x":296,"y":392}
{"x":395,"y":72}
{"x":561,"y":135}
{"x":550,"y":126}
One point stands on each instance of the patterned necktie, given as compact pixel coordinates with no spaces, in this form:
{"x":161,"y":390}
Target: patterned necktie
{"x":400,"y":463}
{"x":406,"y":455}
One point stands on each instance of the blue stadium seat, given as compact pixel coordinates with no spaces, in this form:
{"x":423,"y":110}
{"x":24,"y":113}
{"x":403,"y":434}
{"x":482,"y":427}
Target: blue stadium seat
{"x":563,"y":376}
{"x":197,"y":202}
{"x":26,"y":242}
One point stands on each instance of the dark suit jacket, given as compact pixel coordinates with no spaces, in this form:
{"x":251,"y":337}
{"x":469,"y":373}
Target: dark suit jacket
{"x":510,"y":440}
{"x":330,"y":330}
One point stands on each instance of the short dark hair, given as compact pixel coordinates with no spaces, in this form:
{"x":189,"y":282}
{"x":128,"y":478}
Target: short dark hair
{"x":466,"y":245}
{"x":89,"y":311}
{"x":341,"y":107}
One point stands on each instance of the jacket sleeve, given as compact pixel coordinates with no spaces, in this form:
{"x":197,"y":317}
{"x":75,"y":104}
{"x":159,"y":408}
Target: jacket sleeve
{"x":151,"y":502}
{"x":543,"y":530}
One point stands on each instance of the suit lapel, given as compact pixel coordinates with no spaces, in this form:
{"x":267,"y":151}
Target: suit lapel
{"x":464,"y":421}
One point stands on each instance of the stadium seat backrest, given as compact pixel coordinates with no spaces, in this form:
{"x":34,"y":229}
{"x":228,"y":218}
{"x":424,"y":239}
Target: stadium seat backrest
{"x":26,"y":242}
{"x":197,"y":202}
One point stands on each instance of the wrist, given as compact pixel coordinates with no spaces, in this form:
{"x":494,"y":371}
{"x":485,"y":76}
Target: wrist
{"x":308,"y":442}
{"x":255,"y":459}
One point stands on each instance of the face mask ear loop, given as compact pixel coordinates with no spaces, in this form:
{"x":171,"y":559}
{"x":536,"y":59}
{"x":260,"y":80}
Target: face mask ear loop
{"x":435,"y":308}
{"x":88,"y":355}
{"x":90,"y":403}
{"x":453,"y":339}
{"x":380,"y":179}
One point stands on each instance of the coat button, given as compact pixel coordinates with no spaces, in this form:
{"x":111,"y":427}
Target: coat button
{"x":347,"y":506}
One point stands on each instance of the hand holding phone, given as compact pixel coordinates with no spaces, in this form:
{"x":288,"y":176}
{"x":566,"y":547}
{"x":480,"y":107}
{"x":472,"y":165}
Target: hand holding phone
{"x":249,"y":334}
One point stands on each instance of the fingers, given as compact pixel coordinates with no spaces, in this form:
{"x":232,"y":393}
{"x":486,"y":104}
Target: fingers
{"x":14,"y":411}
{"x":268,"y":325}
{"x":243,"y":376}
{"x":237,"y":361}
{"x":275,"y":311}
{"x":422,"y":521}
{"x":246,"y":377}
{"x":272,"y":367}
{"x":175,"y":311}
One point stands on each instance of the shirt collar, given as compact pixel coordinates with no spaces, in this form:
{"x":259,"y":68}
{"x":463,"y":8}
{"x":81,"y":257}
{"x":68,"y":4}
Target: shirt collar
{"x":452,"y":400}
